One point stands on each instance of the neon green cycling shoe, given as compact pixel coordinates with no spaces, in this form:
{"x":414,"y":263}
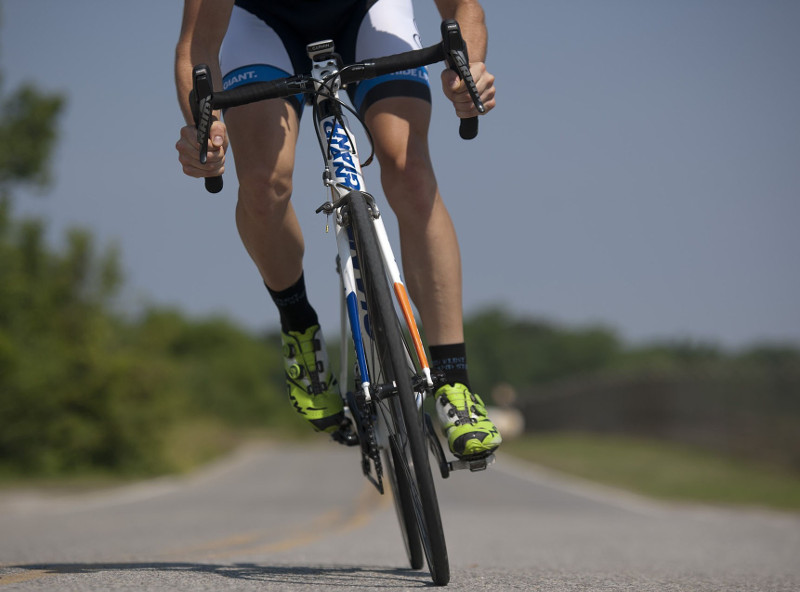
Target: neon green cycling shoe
{"x":311,"y":386}
{"x":470,"y":433}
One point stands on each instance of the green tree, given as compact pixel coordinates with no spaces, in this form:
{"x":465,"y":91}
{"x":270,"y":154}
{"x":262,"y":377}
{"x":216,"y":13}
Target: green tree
{"x":29,"y":126}
{"x":82,"y":387}
{"x":70,"y":396}
{"x":526,"y":352}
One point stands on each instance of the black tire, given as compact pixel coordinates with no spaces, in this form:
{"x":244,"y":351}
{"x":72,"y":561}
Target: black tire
{"x":404,"y":419}
{"x":403,"y":505}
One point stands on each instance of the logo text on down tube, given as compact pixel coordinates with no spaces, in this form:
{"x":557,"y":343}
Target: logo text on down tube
{"x":344,"y":170}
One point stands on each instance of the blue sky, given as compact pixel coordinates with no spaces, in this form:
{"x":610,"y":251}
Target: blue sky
{"x":641,"y":170}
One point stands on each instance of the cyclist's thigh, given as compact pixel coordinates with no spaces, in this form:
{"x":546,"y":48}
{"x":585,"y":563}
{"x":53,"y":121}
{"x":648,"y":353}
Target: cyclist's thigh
{"x":389,"y":28}
{"x":263,"y":135}
{"x":399,"y":126}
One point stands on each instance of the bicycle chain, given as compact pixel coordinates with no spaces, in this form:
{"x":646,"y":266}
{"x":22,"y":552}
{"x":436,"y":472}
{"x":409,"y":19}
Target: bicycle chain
{"x":364,"y":415}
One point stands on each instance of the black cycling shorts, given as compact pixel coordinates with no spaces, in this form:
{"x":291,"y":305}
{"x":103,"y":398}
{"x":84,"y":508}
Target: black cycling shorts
{"x":267,"y":40}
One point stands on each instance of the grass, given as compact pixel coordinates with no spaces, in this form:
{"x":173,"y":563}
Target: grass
{"x":662,"y":470}
{"x":188,"y":445}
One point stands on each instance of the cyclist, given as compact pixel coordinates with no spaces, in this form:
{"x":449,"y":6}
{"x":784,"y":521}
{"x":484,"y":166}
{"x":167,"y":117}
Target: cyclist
{"x":254,"y":40}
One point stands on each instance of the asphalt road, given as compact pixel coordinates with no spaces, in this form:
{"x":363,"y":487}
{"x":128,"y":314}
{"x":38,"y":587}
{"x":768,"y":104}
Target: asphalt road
{"x":273,"y":518}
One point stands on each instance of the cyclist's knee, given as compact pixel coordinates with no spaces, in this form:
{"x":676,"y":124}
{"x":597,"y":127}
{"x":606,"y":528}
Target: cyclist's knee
{"x":409,"y":183}
{"x":262,"y":193}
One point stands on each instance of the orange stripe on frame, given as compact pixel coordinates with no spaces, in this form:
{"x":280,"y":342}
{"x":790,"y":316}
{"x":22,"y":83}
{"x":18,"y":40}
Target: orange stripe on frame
{"x":408,"y":314}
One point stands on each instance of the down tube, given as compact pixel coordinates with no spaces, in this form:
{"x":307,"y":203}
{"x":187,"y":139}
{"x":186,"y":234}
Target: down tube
{"x":349,"y":283}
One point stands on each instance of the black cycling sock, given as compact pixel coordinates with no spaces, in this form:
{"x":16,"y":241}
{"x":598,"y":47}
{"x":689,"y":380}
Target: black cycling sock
{"x":452,"y":360}
{"x":295,"y":310}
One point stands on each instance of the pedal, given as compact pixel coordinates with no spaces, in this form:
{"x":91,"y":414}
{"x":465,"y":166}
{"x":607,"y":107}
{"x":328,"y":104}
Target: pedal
{"x":345,"y":434}
{"x":474,"y":465}
{"x":445,"y":466}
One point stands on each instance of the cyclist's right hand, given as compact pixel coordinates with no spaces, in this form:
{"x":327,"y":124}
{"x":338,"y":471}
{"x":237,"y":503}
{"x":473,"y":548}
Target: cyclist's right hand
{"x":456,"y":90}
{"x":189,"y":151}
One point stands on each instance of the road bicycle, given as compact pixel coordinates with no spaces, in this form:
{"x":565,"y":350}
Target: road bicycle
{"x":384,"y":369}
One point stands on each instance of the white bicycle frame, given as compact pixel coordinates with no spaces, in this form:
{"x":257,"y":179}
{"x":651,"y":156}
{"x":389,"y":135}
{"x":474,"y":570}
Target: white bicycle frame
{"x":343,"y":175}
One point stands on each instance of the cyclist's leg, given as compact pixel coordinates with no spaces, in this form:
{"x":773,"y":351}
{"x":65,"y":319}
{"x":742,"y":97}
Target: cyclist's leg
{"x":263,"y":137}
{"x":429,"y":246}
{"x":430,"y":252}
{"x":397,"y":110}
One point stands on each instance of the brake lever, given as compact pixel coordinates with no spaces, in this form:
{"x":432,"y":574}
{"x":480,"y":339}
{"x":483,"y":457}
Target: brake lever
{"x":455,"y":51}
{"x":200,"y":100}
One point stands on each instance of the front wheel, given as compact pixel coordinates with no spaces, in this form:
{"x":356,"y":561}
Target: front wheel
{"x":404,"y":507}
{"x":391,"y":366}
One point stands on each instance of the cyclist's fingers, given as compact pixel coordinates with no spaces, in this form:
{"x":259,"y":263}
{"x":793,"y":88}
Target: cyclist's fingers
{"x":189,"y":155}
{"x":218,"y":135}
{"x":456,"y":90}
{"x":488,"y":99}
{"x":195,"y":169}
{"x":451,"y":84}
{"x":214,"y":165}
{"x":188,"y":136}
{"x":465,"y":107}
{"x":484,"y":82}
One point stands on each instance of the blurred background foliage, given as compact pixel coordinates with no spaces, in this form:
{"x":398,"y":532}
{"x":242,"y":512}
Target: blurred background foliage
{"x":743,"y":404}
{"x":86,"y":387}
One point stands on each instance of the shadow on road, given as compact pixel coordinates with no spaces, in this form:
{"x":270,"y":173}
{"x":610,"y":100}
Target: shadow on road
{"x":326,"y":576}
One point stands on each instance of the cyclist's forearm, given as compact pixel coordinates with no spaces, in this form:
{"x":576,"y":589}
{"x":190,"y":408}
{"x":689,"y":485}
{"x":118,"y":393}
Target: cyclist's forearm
{"x":183,"y":83}
{"x":472,"y":20}
{"x":202,"y":30}
{"x":184,"y":62}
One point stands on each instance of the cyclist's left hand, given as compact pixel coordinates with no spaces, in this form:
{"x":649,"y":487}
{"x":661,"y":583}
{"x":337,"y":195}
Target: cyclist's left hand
{"x":456,"y":90}
{"x":189,"y":151}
